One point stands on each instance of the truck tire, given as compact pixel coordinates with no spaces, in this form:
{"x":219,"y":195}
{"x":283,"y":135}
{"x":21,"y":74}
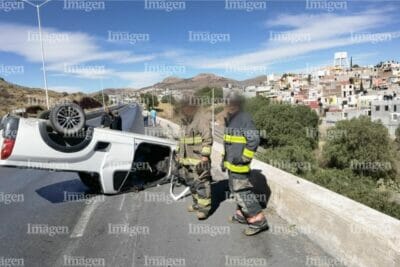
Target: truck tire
{"x":67,"y":119}
{"x":91,"y":181}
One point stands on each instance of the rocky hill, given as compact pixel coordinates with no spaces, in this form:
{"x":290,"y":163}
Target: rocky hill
{"x":194,"y":83}
{"x":14,"y":96}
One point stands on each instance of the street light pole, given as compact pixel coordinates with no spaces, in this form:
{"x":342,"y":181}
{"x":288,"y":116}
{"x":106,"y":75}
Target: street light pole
{"x":43,"y":57}
{"x":213,"y":114}
{"x":42,"y":47}
{"x":102,"y":93}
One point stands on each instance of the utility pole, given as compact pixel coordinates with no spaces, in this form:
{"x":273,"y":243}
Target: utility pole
{"x":42,"y":47}
{"x":152,"y":97}
{"x":170,"y":102}
{"x":213,"y":113}
{"x":102,"y":94}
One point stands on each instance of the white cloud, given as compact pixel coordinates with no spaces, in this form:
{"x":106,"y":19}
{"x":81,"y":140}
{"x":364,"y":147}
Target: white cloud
{"x":325,"y":31}
{"x":61,"y":48}
{"x":142,"y":78}
{"x":76,"y":54}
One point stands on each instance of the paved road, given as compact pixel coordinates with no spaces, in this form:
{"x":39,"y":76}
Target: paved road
{"x":133,"y":229}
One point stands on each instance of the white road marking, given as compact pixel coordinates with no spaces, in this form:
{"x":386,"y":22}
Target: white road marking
{"x":84,"y":219}
{"x":122,"y":202}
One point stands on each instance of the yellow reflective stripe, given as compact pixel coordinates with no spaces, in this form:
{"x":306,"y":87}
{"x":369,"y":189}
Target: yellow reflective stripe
{"x":198,"y":140}
{"x":204,"y":202}
{"x":236,"y":168}
{"x":189,"y":161}
{"x":248,"y":153}
{"x":191,"y":140}
{"x":235,"y":139}
{"x":206,"y":151}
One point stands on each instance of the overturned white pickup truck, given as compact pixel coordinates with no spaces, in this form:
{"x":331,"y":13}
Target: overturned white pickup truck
{"x":105,"y":159}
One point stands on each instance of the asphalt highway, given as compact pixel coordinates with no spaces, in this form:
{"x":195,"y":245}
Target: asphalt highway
{"x":51,"y":219}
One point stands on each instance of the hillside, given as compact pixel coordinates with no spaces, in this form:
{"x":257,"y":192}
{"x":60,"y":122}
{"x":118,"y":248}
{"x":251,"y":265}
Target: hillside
{"x":115,"y":91}
{"x":14,"y":96}
{"x":196,"y":82}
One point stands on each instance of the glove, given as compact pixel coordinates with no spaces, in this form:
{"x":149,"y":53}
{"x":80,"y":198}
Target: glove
{"x":223,"y":169}
{"x":246,"y":160}
{"x":203,"y":166}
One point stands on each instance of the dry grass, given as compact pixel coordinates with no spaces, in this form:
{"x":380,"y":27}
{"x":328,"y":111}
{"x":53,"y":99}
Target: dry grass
{"x":14,"y":97}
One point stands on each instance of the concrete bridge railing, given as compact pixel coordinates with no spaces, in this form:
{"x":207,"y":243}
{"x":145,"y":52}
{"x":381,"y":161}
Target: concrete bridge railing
{"x":353,"y":233}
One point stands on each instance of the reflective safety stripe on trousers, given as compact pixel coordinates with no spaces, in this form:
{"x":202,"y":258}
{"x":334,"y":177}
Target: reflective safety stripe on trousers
{"x":191,"y":140}
{"x":237,"y":168}
{"x":204,"y":202}
{"x":189,"y":161}
{"x":235,"y":139}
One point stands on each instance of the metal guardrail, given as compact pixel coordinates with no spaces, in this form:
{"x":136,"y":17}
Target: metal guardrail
{"x":95,"y":113}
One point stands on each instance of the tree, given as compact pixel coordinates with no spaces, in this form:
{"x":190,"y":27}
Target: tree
{"x":89,"y":102}
{"x":294,"y":159}
{"x":361,"y":145}
{"x":99,"y":97}
{"x":287,"y":125}
{"x":252,"y":105}
{"x":168,"y":99}
{"x":397,"y":136}
{"x":361,"y":87}
{"x":149,"y":99}
{"x":205,"y":94}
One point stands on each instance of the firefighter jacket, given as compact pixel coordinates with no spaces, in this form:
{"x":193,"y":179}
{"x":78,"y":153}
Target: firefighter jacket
{"x":195,"y":139}
{"x":241,"y":140}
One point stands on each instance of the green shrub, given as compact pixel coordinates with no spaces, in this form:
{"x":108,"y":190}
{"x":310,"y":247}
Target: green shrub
{"x":362,"y":189}
{"x":287,"y":125}
{"x":253,"y":105}
{"x":168,"y":99}
{"x":218,"y":109}
{"x":206,"y":94}
{"x":294,"y":159}
{"x":363,"y":146}
{"x":149,"y":99}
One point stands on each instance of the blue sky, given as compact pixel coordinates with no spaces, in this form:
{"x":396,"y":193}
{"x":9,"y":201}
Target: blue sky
{"x":204,"y":36}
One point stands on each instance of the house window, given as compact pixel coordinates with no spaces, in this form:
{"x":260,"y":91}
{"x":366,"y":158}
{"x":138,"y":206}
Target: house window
{"x":394,"y":108}
{"x":386,"y":108}
{"x":377,"y":108}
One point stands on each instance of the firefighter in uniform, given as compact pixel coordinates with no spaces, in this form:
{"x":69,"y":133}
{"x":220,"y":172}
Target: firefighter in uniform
{"x":241,"y":140}
{"x":193,"y":156}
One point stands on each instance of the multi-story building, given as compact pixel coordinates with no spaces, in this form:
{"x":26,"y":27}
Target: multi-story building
{"x":388,"y":112}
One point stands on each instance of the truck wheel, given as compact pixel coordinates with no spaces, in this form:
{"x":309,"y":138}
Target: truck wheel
{"x":67,"y":119}
{"x":91,"y":180}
